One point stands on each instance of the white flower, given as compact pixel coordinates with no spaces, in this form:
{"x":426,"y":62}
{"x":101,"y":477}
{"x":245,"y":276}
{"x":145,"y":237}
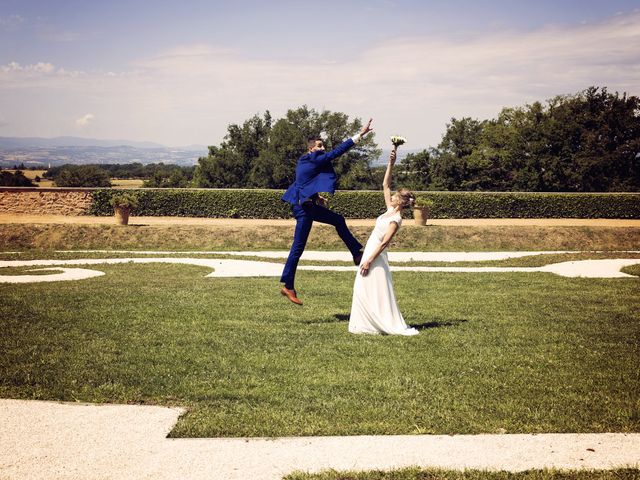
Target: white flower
{"x":397,"y":140}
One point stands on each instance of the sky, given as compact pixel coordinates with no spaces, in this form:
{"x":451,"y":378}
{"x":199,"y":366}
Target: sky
{"x":179,"y":72}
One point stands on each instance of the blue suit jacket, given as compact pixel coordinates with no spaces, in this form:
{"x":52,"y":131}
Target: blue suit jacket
{"x":314,"y":174}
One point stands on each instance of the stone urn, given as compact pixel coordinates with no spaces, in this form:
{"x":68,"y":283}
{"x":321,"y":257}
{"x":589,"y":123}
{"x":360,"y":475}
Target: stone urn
{"x":122,"y":204}
{"x":122,"y":215}
{"x":421,"y":209}
{"x":420,"y":215}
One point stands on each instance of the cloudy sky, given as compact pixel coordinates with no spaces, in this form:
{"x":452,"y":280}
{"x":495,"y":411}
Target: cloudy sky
{"x":178,"y":72}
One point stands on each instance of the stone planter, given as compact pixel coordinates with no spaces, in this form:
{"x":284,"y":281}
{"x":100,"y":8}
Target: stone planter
{"x":122,"y":215}
{"x":420,"y":215}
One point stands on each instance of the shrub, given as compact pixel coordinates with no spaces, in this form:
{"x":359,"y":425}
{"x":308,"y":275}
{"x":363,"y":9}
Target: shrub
{"x":17,"y":179}
{"x":424,"y":201}
{"x":82,"y":176}
{"x":227,"y":203}
{"x":124,"y":200}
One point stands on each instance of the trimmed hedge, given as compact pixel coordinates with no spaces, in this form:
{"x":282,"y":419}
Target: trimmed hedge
{"x":236,"y":203}
{"x":183,"y":202}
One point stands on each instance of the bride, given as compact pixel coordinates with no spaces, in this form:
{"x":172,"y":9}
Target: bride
{"x":374,"y":308}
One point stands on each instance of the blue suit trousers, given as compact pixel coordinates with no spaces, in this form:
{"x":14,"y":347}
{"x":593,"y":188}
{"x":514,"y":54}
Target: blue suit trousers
{"x":305,"y":215}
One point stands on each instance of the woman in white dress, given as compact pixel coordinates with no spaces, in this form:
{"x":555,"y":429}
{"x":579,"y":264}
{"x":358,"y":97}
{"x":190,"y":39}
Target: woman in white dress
{"x":374,"y":309}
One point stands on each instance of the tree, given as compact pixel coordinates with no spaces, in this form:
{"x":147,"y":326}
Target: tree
{"x":82,"y":176}
{"x":229,"y":165}
{"x":16,"y":179}
{"x":263,"y":153}
{"x":169,"y":176}
{"x":585,"y":142}
{"x":450,"y":167}
{"x":415,"y":171}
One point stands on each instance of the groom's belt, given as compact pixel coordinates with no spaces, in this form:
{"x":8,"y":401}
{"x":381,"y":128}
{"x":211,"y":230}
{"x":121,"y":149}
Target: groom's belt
{"x":313,"y":199}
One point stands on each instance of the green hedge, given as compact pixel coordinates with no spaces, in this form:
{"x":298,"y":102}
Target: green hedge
{"x":227,"y":203}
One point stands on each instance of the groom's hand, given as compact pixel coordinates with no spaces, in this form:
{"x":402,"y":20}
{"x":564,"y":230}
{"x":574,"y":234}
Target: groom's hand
{"x":367,"y":128}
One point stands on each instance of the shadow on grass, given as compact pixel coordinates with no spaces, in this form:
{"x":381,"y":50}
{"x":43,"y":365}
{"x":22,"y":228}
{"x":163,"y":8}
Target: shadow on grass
{"x":337,"y":318}
{"x":344,"y":317}
{"x":438,"y":324}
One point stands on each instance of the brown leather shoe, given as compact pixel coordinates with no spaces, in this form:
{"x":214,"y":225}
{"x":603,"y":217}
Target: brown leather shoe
{"x":291,"y":295}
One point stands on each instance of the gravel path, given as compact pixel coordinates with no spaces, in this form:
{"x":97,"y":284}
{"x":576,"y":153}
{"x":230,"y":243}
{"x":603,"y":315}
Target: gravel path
{"x":557,"y":222}
{"x":78,"y":441}
{"x":605,"y":268}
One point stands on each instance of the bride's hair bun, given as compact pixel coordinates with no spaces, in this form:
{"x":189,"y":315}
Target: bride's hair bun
{"x":407,"y":198}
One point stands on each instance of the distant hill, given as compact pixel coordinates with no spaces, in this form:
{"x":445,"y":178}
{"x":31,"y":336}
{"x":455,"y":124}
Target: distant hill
{"x":39,"y":152}
{"x":42,"y":152}
{"x":39,"y":142}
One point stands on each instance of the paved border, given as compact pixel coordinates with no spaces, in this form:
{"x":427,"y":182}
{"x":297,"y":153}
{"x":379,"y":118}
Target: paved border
{"x":606,"y":268}
{"x":83,"y":441}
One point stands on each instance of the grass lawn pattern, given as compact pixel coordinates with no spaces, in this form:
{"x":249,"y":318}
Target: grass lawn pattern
{"x":508,"y":352}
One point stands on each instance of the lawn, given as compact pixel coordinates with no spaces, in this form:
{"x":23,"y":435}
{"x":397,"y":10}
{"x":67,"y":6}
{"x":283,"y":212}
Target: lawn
{"x":439,"y":474}
{"x":507,"y":352}
{"x":126,"y":183}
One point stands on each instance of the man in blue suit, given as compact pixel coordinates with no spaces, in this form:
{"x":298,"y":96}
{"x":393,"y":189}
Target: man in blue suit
{"x":315,"y":174}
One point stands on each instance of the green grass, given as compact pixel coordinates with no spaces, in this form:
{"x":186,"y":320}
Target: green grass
{"x":27,"y":271}
{"x":497,"y":352}
{"x":440,"y":474}
{"x":632,"y":270}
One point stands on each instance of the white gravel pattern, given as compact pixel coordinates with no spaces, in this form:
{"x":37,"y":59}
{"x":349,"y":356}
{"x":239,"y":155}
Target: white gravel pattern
{"x":63,"y":275}
{"x":77,"y":441}
{"x":344,"y":256}
{"x":609,"y":268}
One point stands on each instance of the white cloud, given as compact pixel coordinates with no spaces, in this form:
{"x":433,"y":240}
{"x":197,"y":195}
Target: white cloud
{"x":411,"y":86}
{"x":15,"y":74}
{"x":84,"y":120}
{"x":10,"y":23}
{"x":58,"y":36}
{"x":34,"y":68}
{"x":46,"y":30}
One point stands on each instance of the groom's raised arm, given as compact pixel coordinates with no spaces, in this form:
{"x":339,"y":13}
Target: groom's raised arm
{"x":344,"y":146}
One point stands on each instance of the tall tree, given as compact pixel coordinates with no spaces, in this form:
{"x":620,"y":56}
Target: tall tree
{"x":585,"y":142}
{"x":451,"y":167}
{"x":263,"y":153}
{"x":229,"y":164}
{"x":415,"y":171}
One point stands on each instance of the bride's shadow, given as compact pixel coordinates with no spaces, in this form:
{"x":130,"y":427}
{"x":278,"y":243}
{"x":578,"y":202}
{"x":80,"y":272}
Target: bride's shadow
{"x":454,"y":322}
{"x":438,"y":323}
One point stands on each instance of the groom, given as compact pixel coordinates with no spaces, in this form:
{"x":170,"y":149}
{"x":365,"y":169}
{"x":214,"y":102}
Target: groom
{"x":315,"y":174}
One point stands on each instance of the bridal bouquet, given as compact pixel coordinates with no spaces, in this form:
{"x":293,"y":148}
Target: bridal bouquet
{"x":397,"y":140}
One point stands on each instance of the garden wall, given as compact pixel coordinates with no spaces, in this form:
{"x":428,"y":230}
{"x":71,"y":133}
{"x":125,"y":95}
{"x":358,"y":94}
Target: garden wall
{"x":46,"y":201}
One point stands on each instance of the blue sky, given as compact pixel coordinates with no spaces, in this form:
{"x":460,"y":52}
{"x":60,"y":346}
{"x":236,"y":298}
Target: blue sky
{"x":179,"y":72}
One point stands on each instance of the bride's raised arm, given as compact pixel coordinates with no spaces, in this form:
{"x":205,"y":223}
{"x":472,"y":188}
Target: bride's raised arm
{"x":386,"y":183}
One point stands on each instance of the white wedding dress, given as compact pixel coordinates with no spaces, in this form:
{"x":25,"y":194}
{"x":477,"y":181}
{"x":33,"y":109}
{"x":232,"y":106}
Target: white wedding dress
{"x":374,"y":309}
